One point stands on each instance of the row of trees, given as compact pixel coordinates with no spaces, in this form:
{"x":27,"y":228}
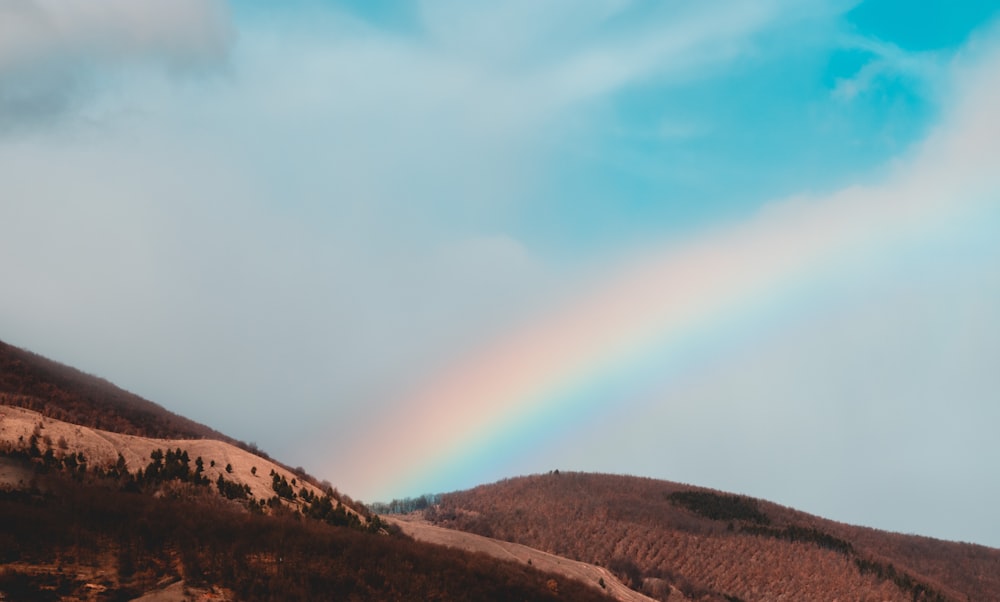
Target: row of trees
{"x":407,"y":504}
{"x":887,"y":572}
{"x":174,"y":466}
{"x":48,"y":460}
{"x":720,"y":506}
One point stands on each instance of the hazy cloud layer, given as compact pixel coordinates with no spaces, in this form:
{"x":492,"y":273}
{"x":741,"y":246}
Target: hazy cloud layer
{"x":51,"y":51}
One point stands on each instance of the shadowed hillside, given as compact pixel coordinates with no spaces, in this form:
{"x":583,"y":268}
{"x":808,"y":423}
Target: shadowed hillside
{"x":161,"y":504}
{"x":31,"y":381}
{"x":85,"y":539}
{"x":656,"y":535}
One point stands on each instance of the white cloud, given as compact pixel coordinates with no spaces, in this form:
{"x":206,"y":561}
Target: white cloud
{"x":889,"y":62}
{"x":37,"y":31}
{"x":53,"y":51}
{"x":335,"y":210}
{"x":513,"y":34}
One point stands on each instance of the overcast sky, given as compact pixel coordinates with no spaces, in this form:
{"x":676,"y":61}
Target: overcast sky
{"x":419,"y":246}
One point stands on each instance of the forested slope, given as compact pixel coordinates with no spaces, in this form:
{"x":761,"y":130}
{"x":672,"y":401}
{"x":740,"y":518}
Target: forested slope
{"x":79,"y":538}
{"x":715,"y":546}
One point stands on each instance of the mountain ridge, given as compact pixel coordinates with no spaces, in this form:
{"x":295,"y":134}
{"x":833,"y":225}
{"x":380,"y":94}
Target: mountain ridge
{"x":59,"y":391}
{"x":604,"y":533}
{"x":709,"y":543}
{"x":93,"y":514}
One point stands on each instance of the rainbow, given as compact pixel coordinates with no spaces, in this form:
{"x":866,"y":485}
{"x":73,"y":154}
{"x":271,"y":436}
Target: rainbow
{"x":652,"y":315}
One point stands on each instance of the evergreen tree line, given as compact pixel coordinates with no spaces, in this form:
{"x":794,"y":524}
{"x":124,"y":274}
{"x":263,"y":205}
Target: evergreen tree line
{"x":407,"y":504}
{"x":174,"y":466}
{"x":722,"y":507}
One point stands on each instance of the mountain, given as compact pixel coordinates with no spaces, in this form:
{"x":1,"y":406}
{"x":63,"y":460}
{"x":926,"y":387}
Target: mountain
{"x":31,"y":381}
{"x":162,"y":508}
{"x":108,"y":496}
{"x":674,"y":541}
{"x":22,"y":429}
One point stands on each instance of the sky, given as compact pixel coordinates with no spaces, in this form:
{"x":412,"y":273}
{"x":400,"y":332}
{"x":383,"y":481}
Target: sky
{"x":415,"y":247}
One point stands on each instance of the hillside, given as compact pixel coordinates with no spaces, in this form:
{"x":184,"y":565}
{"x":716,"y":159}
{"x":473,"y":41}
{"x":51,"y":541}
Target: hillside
{"x":104,"y":448}
{"x":166,"y":509}
{"x":58,"y":478}
{"x":421,"y":530}
{"x":656,"y":535}
{"x":75,"y":539}
{"x":31,"y":381}
{"x":159,"y":505}
{"x":61,"y":392}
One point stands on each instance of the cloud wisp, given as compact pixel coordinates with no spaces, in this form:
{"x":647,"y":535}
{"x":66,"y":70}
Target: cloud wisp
{"x":51,"y":50}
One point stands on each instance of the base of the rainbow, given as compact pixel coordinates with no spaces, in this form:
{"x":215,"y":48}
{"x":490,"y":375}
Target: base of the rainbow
{"x":635,"y":339}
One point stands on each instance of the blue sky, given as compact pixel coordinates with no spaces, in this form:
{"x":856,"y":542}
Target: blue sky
{"x":282,"y":219}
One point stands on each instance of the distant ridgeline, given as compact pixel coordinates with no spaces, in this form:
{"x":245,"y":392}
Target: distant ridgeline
{"x":31,"y":381}
{"x":669,"y":540}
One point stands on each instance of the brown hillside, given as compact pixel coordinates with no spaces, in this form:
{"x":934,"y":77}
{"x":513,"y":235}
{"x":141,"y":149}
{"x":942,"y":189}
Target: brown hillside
{"x":598,"y":577}
{"x":91,"y":514}
{"x":80,"y":537}
{"x":31,"y":381}
{"x":103,"y":448}
{"x":715,"y":546}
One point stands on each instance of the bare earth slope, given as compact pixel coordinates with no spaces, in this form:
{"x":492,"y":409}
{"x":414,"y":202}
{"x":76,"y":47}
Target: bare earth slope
{"x":421,"y":530}
{"x":92,"y":513}
{"x":656,"y":535}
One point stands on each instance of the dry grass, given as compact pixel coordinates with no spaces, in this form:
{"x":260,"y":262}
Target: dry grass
{"x":101,"y":448}
{"x":421,"y":530}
